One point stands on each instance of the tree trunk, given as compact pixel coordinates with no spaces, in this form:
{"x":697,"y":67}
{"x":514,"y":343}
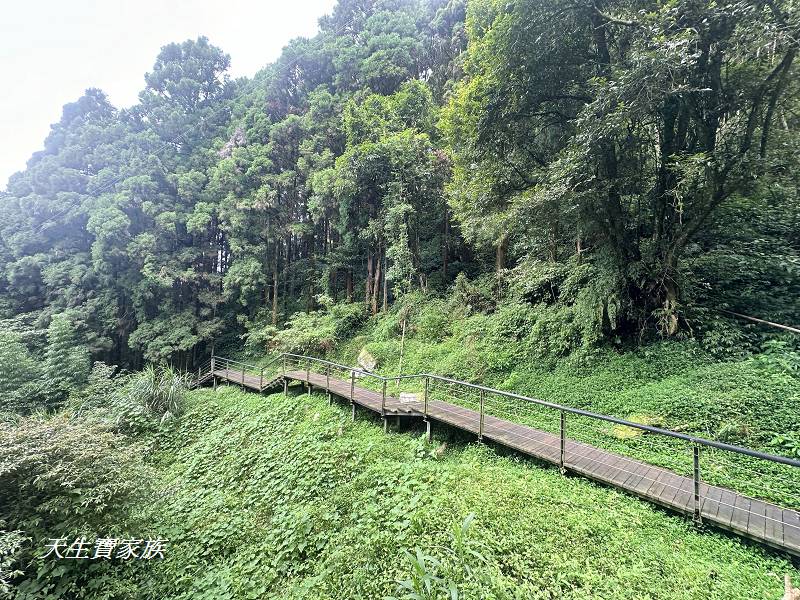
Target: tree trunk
{"x":333,"y":276}
{"x":311,"y":280}
{"x":275,"y":286}
{"x":615,"y":221}
{"x":773,"y":100}
{"x":445,"y":243}
{"x":368,"y":290}
{"x":289,"y":276}
{"x":500,"y":253}
{"x":552,"y":245}
{"x":670,"y":320}
{"x":376,"y":284}
{"x":385,"y":286}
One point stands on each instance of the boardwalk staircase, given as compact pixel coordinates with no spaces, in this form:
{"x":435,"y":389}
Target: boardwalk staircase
{"x":727,"y":492}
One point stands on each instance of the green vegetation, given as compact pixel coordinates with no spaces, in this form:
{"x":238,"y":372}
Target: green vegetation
{"x":678,"y":385}
{"x":273,"y":497}
{"x":65,"y":477}
{"x":624,"y":167}
{"x":553,"y":198}
{"x":286,"y":498}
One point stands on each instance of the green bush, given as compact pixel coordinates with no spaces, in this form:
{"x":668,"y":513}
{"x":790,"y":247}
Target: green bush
{"x":11,"y":543}
{"x":22,"y":380}
{"x":154,"y":395}
{"x":67,"y":362}
{"x":133,"y":403}
{"x":479,"y":295}
{"x":306,"y":333}
{"x":318,"y":332}
{"x":101,"y":388}
{"x":160,"y":390}
{"x":63,"y":477}
{"x":434,"y":320}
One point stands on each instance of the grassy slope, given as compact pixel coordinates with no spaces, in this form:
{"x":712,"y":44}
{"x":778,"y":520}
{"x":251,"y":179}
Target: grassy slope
{"x":676,"y":385}
{"x":266,"y":497}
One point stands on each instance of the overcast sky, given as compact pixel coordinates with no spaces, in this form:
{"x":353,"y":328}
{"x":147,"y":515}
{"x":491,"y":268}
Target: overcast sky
{"x":52,"y":50}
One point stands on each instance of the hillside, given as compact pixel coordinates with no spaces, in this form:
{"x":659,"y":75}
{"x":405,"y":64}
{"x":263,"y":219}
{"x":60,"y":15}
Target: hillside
{"x":589,"y":203}
{"x":268,"y":497}
{"x":685,"y":386}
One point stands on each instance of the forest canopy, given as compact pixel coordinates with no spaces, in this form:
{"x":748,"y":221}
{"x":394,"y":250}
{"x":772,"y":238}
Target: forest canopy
{"x":573,"y":201}
{"x":627,"y":166}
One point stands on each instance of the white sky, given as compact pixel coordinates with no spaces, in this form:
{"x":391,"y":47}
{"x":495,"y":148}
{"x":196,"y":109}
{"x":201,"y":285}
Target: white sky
{"x":52,"y":50}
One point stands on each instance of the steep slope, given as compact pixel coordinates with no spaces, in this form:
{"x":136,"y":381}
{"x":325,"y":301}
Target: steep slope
{"x":273,"y":497}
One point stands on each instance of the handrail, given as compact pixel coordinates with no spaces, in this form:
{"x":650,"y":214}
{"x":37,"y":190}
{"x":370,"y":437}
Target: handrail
{"x":234,"y":362}
{"x":616,"y":420}
{"x":552,"y":405}
{"x":238,"y":362}
{"x":333,"y":364}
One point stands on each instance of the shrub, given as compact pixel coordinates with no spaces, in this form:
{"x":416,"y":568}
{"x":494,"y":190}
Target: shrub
{"x":21,"y":387}
{"x":434,"y":322}
{"x":100,"y":389}
{"x":318,"y":331}
{"x":67,"y":362}
{"x":473,"y":296}
{"x":259,"y":330}
{"x":159,"y":391}
{"x":62,"y":477}
{"x":347,"y":317}
{"x":11,"y":543}
{"x":306,"y":333}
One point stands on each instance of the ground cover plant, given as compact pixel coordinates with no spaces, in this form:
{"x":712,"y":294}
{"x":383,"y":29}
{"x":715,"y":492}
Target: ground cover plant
{"x":285,"y":497}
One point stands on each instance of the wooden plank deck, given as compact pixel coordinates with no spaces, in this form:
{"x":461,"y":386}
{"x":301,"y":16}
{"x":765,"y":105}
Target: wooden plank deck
{"x":252,"y":382}
{"x":761,"y":521}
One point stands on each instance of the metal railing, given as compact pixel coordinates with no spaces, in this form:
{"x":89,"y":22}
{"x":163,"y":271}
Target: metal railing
{"x":329,"y":368}
{"x":242,"y":369}
{"x":433,"y":387}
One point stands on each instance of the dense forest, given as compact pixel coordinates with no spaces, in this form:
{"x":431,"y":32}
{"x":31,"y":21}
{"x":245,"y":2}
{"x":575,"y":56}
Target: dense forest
{"x":524,"y":189}
{"x":630,"y":167}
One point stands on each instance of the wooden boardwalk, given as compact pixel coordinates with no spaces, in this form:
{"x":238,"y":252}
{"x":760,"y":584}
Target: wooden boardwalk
{"x":755,"y":519}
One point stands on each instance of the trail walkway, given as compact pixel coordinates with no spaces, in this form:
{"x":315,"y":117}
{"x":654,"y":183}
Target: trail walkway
{"x":749,"y":517}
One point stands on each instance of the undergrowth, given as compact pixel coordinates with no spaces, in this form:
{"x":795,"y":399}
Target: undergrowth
{"x":748,"y":401}
{"x":274,"y":497}
{"x":690,"y":386}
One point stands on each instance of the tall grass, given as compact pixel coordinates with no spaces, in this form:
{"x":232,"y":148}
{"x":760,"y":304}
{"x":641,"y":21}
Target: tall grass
{"x":159,"y":390}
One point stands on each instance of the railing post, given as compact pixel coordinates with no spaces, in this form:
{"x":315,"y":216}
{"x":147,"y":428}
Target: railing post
{"x":696,"y":480}
{"x":480,"y":423}
{"x":261,"y":380}
{"x":308,"y":375}
{"x":425,"y":397}
{"x":242,"y":375}
{"x":284,"y":365}
{"x":352,"y":388}
{"x":213,"y":359}
{"x":425,"y":409}
{"x":383,"y":400}
{"x":352,"y":384}
{"x":328,"y":383}
{"x":563,"y":442}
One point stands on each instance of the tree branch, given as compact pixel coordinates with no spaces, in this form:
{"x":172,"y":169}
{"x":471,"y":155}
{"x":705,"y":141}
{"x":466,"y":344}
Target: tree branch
{"x":614,"y":20}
